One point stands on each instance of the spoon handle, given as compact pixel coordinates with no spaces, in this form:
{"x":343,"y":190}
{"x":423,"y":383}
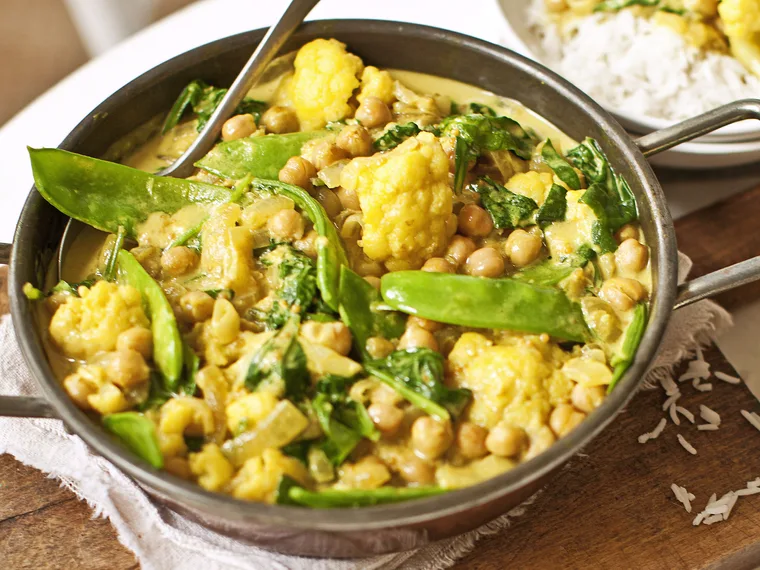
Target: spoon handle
{"x":273,"y":41}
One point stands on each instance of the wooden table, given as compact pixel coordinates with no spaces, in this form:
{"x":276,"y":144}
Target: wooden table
{"x":610,"y":508}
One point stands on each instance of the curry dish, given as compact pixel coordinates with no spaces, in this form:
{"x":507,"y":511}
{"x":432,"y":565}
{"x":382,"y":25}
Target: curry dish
{"x":379,"y":285}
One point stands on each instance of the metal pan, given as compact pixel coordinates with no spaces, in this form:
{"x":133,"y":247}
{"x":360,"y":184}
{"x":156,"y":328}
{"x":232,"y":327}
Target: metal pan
{"x":361,"y":532}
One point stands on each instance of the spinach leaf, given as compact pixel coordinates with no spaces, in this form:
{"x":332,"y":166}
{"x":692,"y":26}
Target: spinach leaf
{"x":560,"y":166}
{"x":476,"y":133}
{"x":608,"y":195}
{"x":396,"y":135}
{"x":554,"y":207}
{"x":203,"y":99}
{"x":551,"y":272}
{"x":228,"y":294}
{"x":358,"y":302}
{"x":417,"y":374}
{"x":298,"y":450}
{"x":481,"y":109}
{"x":280,"y":362}
{"x":349,"y":412}
{"x":508,"y":210}
{"x":296,"y":284}
{"x":340,"y":439}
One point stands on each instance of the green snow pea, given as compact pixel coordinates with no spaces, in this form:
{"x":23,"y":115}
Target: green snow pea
{"x":168,"y":351}
{"x":622,"y":361}
{"x":330,"y":253}
{"x":485,"y":303}
{"x":263,"y":157}
{"x":342,"y":498}
{"x":138,"y":433}
{"x":106,"y":195}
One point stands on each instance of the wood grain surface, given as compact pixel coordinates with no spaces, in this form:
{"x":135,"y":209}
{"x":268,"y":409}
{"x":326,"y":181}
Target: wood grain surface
{"x":609,"y":508}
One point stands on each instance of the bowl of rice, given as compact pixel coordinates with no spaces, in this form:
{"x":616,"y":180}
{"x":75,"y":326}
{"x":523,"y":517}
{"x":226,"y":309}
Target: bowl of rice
{"x":651,"y":63}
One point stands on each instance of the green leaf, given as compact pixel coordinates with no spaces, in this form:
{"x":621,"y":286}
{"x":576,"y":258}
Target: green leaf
{"x":192,"y":364}
{"x":110,"y":265}
{"x":481,"y":109}
{"x":508,"y":210}
{"x":280,"y":362}
{"x":298,"y":449}
{"x":358,"y":309}
{"x":138,"y":433}
{"x":343,"y":498}
{"x":167,"y":342}
{"x":396,"y":135}
{"x":417,"y":375}
{"x":351,"y":413}
{"x":615,"y":5}
{"x":340,"y":440}
{"x":560,"y":166}
{"x":554,"y":207}
{"x":550,"y":272}
{"x":296,"y":285}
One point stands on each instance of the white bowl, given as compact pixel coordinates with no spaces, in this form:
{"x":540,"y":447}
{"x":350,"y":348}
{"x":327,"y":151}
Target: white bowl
{"x":517,"y":37}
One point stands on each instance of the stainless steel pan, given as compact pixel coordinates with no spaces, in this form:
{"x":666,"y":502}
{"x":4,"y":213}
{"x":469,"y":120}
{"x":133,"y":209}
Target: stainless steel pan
{"x":360,"y":532}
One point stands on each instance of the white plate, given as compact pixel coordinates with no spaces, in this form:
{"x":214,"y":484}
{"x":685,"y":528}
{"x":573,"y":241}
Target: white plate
{"x":516,"y":36}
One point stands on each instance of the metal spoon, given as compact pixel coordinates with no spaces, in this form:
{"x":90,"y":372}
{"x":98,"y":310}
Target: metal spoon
{"x":251,"y":73}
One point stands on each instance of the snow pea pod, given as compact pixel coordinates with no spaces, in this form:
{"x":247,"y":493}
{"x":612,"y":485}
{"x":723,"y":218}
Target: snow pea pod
{"x":138,"y":433}
{"x":106,"y":195}
{"x":330,"y":253}
{"x":263,"y":157}
{"x":342,"y":498}
{"x":168,"y":352}
{"x":485,"y":303}
{"x":622,"y":361}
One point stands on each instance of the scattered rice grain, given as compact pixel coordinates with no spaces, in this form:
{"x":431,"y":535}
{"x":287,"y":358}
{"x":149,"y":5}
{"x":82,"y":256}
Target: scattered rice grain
{"x":674,"y":415}
{"x":752,"y":418}
{"x":713,"y":519}
{"x":670,"y":401}
{"x":685,"y":413}
{"x":706,"y":387}
{"x":686,"y":445}
{"x":727,"y":378}
{"x":707,"y":427}
{"x":710,"y":416}
{"x":668,"y":385}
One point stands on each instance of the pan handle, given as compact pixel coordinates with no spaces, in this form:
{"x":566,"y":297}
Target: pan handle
{"x":659,"y":141}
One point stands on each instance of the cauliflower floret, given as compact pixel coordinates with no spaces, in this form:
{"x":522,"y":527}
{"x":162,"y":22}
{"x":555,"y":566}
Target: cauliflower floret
{"x":532,"y":184}
{"x":180,"y":416}
{"x":247,"y":411}
{"x":405,"y":199}
{"x":324,"y":80}
{"x":90,"y":388}
{"x":226,"y":259}
{"x":92,"y":322}
{"x":564,"y":238}
{"x":258,"y":478}
{"x":211,"y":467}
{"x":376,"y":83}
{"x":741,"y":18}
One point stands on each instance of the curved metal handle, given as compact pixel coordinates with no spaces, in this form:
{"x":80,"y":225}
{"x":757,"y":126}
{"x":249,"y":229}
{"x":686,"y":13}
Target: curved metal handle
{"x":25,"y":407}
{"x":273,"y":41}
{"x":659,"y":141}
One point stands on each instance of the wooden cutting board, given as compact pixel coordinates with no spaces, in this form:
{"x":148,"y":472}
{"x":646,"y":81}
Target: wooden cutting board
{"x":609,"y":508}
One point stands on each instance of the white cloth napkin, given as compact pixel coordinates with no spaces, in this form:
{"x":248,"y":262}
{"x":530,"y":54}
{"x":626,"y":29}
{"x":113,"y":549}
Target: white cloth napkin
{"x":162,"y":539}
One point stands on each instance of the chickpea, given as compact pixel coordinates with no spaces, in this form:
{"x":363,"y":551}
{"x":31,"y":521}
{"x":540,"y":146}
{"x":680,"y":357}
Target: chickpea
{"x":379,"y":347}
{"x":178,"y":260}
{"x":607,"y":265}
{"x":127,"y":368}
{"x":587,"y":399}
{"x":348,"y":199}
{"x":384,"y":394}
{"x":452,"y":224}
{"x":438,"y":265}
{"x":287,"y":225}
{"x":505,"y":440}
{"x":367,"y":473}
{"x":622,"y":293}
{"x":197,"y":306}
{"x":430,"y":437}
{"x":564,"y":419}
{"x":374,"y":281}
{"x":355,"y":140}
{"x":628,"y":231}
{"x":308,"y":244}
{"x":632,"y":256}
{"x":428,"y":325}
{"x":373,"y":113}
{"x":522,"y":248}
{"x":485,"y":262}
{"x":417,"y":337}
{"x":297,"y":171}
{"x":415,"y":470}
{"x":329,"y":201}
{"x":475,"y":221}
{"x":279,"y":120}
{"x":387,"y":418}
{"x":460,"y":248}
{"x":334,"y":335}
{"x":238,"y":127}
{"x":326,"y":153}
{"x":471,"y":440}
{"x":138,"y":339}
{"x":225,"y":321}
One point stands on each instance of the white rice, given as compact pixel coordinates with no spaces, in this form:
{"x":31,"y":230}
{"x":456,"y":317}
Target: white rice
{"x":674,"y":415}
{"x":632,"y":64}
{"x":685,"y":413}
{"x":718,"y":510}
{"x":726,"y":378}
{"x":707,"y":427}
{"x":669,"y":385}
{"x":671,"y":401}
{"x":683,"y":496}
{"x":752,"y":418}
{"x":707,"y":387}
{"x":710,"y":416}
{"x":749,"y":491}
{"x":686,"y":445}
{"x":713,"y":519}
{"x":655,"y":433}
